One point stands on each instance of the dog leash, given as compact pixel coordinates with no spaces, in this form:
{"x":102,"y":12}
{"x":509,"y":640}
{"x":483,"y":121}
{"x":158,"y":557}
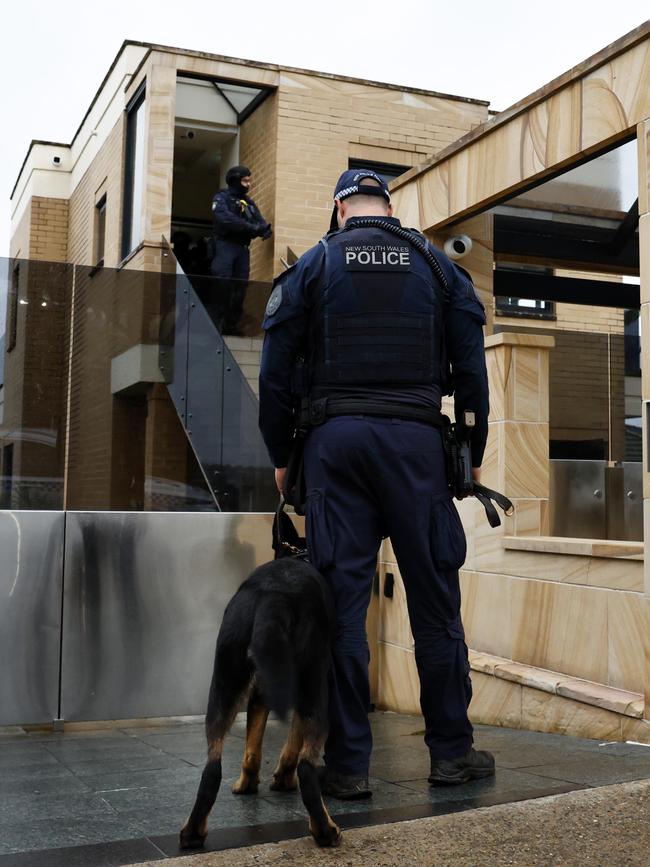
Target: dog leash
{"x":294,"y":550}
{"x":485,"y":496}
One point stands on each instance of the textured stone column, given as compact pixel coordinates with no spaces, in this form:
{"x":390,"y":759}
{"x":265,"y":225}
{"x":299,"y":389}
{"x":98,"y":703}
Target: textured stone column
{"x":516,"y":459}
{"x":159,"y":159}
{"x":643,"y":140}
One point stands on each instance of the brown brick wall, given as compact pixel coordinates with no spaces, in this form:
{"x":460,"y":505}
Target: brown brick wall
{"x":49,"y":229}
{"x":103,"y":175}
{"x":257,"y":150}
{"x":114,"y":310}
{"x":322,"y":123}
{"x":129,"y":418}
{"x":35,"y":392}
{"x":296,"y":143}
{"x":572,"y":317}
{"x":580,"y":382}
{"x":34,"y":375}
{"x":586,"y":385}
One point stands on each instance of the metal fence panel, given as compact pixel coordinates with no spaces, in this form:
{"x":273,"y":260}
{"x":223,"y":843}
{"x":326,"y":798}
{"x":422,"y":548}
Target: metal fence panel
{"x":144,"y":597}
{"x":31,"y":570}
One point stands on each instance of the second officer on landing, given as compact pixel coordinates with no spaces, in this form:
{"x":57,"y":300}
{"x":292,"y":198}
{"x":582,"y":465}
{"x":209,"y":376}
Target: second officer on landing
{"x":236,"y":222}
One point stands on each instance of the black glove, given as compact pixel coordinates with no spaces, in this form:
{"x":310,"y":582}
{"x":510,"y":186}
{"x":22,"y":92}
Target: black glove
{"x":266,"y":232}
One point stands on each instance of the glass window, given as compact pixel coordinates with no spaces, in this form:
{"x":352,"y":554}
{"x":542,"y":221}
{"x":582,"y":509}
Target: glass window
{"x":388,"y":171}
{"x":213,"y":101}
{"x":522,"y":303}
{"x":7,"y":476}
{"x":632,"y":343}
{"x":134,"y":175}
{"x":100,"y":230}
{"x":605,"y":187}
{"x":531,"y":307}
{"x":585,"y":219}
{"x":12,"y":328}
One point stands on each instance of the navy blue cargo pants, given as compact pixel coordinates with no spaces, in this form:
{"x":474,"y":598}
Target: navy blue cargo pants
{"x":367,"y":478}
{"x":231,"y":263}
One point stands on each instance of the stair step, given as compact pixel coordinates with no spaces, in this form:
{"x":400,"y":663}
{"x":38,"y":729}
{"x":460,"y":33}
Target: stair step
{"x":620,"y":701}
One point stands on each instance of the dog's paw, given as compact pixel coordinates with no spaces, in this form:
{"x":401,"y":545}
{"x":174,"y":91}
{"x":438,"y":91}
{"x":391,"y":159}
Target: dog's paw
{"x":327,"y":837}
{"x":246,"y":785}
{"x":191,"y":839}
{"x":284,"y":782}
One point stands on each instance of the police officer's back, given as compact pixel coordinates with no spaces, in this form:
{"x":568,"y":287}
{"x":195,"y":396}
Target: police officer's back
{"x":378,"y":317}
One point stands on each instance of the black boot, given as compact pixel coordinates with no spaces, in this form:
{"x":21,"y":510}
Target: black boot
{"x":474,"y":765}
{"x":345,"y":787}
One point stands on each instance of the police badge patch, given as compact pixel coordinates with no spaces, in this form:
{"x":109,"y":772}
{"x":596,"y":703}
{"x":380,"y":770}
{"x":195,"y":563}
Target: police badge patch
{"x":274,"y":301}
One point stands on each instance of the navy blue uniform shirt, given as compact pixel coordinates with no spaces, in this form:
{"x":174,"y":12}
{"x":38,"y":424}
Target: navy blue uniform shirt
{"x":236,"y":218}
{"x":287,"y":327}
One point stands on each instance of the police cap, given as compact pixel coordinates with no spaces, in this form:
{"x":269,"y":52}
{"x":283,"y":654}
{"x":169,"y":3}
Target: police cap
{"x":351,"y":184}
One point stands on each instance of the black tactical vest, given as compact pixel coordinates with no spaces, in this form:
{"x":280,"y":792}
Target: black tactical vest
{"x":377,"y":317}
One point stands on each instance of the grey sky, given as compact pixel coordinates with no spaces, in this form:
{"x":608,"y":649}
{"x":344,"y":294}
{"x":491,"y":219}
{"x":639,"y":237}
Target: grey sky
{"x":55,"y":55}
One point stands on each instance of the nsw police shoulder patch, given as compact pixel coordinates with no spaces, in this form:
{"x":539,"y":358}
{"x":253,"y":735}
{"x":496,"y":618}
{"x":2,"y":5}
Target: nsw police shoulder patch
{"x":274,"y":302}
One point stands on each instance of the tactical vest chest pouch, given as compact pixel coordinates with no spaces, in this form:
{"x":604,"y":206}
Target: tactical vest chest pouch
{"x":378,"y":315}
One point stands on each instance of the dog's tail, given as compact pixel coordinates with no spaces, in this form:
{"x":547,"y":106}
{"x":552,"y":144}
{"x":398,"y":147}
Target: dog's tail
{"x":273,"y":655}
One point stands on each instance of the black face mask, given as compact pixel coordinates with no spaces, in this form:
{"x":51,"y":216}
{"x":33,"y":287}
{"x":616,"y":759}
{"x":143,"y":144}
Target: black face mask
{"x":235,"y":186}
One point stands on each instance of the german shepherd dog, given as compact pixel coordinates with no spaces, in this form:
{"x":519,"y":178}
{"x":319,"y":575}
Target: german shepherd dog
{"x":274,"y":646}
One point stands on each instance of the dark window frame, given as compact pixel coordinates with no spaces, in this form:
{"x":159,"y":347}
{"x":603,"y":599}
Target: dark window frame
{"x":6,"y":484}
{"x":392,"y":169}
{"x":12,"y":323}
{"x":131,"y":111}
{"x":100,"y":231}
{"x":508,"y":306}
{"x":632,"y":338}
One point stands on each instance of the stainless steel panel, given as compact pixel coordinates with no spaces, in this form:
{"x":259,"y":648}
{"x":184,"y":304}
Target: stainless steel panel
{"x":577,"y":499}
{"x":633,"y":500}
{"x":144,"y":596}
{"x":31,"y":571}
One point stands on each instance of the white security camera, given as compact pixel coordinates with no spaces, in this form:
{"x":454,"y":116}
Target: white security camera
{"x":458,"y":246}
{"x":56,"y":161}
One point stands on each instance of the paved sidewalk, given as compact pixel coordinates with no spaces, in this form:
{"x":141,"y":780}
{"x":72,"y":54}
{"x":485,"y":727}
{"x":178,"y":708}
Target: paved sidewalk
{"x":604,"y":826}
{"x":118,"y":795}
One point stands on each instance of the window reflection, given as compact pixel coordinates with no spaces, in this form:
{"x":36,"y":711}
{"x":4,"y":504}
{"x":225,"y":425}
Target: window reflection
{"x":134,"y":175}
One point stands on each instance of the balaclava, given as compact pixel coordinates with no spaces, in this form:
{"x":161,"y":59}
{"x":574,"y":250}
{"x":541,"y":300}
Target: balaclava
{"x":233,"y":179}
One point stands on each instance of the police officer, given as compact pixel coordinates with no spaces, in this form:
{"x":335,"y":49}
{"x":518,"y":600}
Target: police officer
{"x":375,"y":318}
{"x":236,"y":221}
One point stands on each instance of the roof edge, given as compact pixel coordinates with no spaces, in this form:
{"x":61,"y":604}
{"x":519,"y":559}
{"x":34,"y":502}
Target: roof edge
{"x":575,"y":73}
{"x":34,"y":141}
{"x":151,"y":46}
{"x":85,"y":117}
{"x":280,"y":67}
{"x":105,"y":79}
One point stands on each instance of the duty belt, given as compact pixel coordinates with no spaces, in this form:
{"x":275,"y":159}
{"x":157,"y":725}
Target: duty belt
{"x":314,"y":412}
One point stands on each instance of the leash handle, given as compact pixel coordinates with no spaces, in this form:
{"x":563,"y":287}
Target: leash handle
{"x":485,"y":496}
{"x":278,"y":541}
